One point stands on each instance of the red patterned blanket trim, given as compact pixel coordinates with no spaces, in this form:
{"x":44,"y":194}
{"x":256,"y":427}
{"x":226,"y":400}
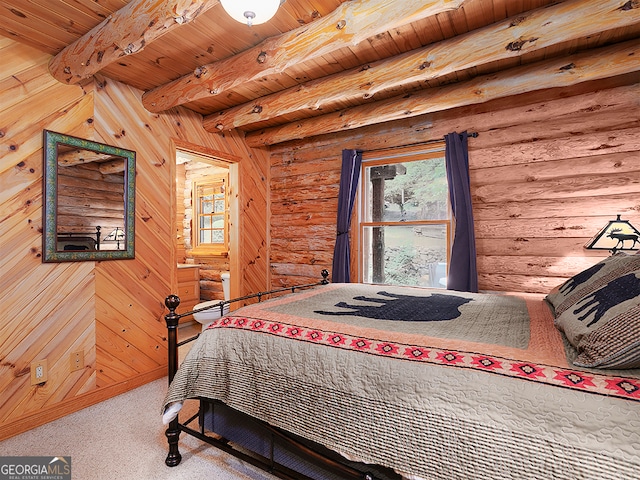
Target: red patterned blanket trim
{"x":602,"y":384}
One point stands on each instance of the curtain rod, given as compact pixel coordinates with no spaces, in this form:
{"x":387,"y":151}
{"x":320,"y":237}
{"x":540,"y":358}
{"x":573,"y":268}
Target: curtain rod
{"x":472,"y":134}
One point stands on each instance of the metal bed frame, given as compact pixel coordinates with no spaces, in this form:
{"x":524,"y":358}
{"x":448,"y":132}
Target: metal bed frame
{"x":263,"y":462}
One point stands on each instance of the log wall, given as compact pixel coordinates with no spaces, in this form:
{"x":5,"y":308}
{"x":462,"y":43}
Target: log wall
{"x":111,"y":310}
{"x":548,"y":170}
{"x":83,"y":188}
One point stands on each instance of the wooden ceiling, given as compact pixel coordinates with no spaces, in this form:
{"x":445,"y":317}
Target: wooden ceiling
{"x":322,"y":66}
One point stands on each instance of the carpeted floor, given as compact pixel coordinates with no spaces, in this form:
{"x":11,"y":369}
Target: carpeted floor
{"x":123,"y":438}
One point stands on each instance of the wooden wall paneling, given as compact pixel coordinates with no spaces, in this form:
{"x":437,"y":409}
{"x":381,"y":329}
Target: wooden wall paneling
{"x":181,"y":255}
{"x":581,"y":183}
{"x":548,"y":169}
{"x":591,"y":143}
{"x":536,"y":246}
{"x":116,"y":310}
{"x":44,"y":323}
{"x":515,"y":283}
{"x":546,"y":106}
{"x":83,"y":340}
{"x":555,"y":190}
{"x":556,"y":207}
{"x":21,"y":161}
{"x":24,"y":240}
{"x":252,"y":203}
{"x":49,"y":323}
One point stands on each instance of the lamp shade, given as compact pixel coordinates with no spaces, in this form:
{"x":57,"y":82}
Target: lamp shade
{"x":616,"y":235}
{"x":251,"y":12}
{"x":116,"y":234}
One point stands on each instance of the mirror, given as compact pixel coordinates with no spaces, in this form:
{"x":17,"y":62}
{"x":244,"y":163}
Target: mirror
{"x":89,"y":200}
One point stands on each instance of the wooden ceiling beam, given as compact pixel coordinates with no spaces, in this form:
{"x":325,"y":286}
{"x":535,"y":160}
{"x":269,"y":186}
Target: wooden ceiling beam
{"x":513,"y":37}
{"x":351,"y":23}
{"x":125,"y":32}
{"x":596,"y":64}
{"x":81,"y":156}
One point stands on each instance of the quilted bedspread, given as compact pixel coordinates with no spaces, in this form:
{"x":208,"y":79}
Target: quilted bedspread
{"x":432,"y":383}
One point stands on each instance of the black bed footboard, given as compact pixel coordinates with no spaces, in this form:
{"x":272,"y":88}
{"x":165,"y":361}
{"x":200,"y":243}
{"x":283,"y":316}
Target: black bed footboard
{"x":172,"y":318}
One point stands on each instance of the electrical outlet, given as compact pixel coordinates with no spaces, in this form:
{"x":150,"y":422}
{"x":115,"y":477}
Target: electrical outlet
{"x":77,"y":360}
{"x":38,"y":372}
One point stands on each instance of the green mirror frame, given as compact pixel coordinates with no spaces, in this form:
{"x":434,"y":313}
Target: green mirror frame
{"x":50,"y":251}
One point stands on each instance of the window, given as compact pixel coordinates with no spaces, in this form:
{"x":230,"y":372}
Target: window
{"x":210,"y":215}
{"x":405,"y":219}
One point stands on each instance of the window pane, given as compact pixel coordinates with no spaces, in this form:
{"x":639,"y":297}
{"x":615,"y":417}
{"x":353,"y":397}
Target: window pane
{"x":206,"y":205}
{"x":205,"y":236}
{"x":205,"y":221}
{"x":211,"y":215}
{"x":397,"y":192}
{"x":217,"y":236}
{"x":405,"y":255}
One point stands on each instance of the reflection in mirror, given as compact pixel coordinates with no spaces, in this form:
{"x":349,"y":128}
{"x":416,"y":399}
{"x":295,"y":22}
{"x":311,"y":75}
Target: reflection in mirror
{"x":89,"y":200}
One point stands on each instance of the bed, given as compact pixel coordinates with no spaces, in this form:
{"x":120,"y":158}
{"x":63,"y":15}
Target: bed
{"x":420,"y":383}
{"x":78,"y":241}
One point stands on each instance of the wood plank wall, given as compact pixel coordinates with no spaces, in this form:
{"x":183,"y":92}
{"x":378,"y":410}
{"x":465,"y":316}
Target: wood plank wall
{"x":181,"y":254}
{"x":111,"y":310}
{"x":548,"y":170}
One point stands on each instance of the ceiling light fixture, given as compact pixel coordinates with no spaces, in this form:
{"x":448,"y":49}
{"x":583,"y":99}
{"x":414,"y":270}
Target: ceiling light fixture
{"x":251,"y":12}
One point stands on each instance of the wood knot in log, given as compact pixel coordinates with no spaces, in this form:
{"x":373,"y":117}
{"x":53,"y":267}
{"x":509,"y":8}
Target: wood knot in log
{"x":423,"y":65}
{"x":517,"y":21}
{"x":630,"y":5}
{"x":262,"y":57}
{"x":257,"y":109}
{"x":569,"y":66}
{"x":17,"y":13}
{"x":198,"y":72}
{"x":341,"y":24}
{"x":517,"y":45}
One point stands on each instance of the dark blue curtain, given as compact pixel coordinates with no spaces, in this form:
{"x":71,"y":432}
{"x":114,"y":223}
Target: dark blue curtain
{"x":351,"y":161}
{"x":463,"y":273}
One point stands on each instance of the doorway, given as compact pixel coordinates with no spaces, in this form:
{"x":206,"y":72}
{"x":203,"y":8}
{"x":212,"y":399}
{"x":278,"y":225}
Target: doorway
{"x":206,"y":222}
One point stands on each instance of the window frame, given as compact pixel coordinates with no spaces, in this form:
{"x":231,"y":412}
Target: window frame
{"x":434,"y":150}
{"x":201,"y":248}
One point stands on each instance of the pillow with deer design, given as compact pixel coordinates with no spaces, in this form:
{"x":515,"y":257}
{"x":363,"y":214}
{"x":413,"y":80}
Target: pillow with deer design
{"x":604,"y":325}
{"x":577,"y":287}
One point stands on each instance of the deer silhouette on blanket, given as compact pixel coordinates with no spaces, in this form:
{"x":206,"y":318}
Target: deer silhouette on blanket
{"x":435,"y":307}
{"x":615,"y":292}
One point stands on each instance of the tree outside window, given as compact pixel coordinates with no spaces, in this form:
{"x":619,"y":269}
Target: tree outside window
{"x":404,"y":220}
